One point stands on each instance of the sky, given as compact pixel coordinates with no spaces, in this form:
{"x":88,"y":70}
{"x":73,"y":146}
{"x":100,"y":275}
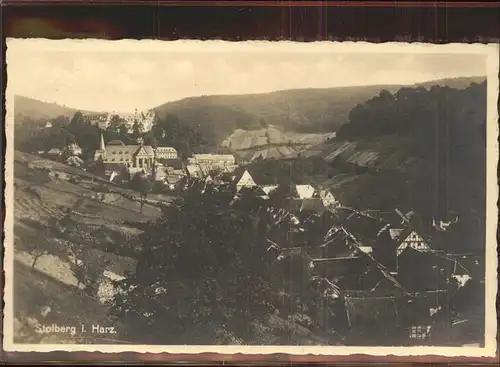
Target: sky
{"x":121,"y":77}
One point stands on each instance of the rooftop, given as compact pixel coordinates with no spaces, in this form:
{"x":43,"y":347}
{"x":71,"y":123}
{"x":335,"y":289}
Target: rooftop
{"x":213,"y":156}
{"x":115,"y":142}
{"x":166,"y":149}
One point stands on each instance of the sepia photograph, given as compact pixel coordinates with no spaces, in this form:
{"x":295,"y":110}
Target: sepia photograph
{"x":251,"y":197}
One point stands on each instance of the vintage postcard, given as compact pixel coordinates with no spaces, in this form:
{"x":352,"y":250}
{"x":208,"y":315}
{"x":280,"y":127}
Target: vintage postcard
{"x":257,"y":197}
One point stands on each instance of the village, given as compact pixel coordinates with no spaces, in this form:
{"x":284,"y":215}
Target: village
{"x":393,"y":274}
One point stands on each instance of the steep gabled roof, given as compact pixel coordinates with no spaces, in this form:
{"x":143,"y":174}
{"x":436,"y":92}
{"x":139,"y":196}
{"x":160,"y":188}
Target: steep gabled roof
{"x":132,"y":149}
{"x":147,"y":149}
{"x":322,"y":193}
{"x":305,"y":191}
{"x":269,"y":188}
{"x":166,"y":149}
{"x":259,"y":177}
{"x":361,"y":225}
{"x":293,"y":205}
{"x":193,"y":169}
{"x":246,"y":179}
{"x":115,"y":142}
{"x":254,"y":190}
{"x":396,"y":233}
{"x":312,"y":205}
{"x":337,"y":266}
{"x":365,"y":309}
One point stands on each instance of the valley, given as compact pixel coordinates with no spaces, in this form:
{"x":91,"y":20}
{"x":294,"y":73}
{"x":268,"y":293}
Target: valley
{"x":207,"y":239}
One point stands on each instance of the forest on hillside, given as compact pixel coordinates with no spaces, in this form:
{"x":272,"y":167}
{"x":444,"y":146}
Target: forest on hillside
{"x":444,"y":130}
{"x":171,"y":131}
{"x":438,"y":120}
{"x":302,"y":110}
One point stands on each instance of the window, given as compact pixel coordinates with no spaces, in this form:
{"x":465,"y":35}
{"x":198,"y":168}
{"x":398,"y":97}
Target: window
{"x":420,"y":332}
{"x":113,"y":153}
{"x":120,"y":152}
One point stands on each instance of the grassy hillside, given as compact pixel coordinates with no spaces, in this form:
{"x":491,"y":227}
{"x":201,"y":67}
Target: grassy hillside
{"x":40,"y":195}
{"x":34,"y":290}
{"x":45,"y":190}
{"x":301,"y":110}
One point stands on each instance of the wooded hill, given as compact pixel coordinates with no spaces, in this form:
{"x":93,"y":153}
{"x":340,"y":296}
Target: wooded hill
{"x":300,"y":110}
{"x":215,"y":118}
{"x":31,"y":109}
{"x":420,"y":149}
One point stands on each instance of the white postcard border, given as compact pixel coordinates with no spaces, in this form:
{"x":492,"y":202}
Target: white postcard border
{"x":490,"y":50}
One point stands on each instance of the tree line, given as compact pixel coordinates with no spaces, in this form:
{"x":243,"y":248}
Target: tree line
{"x":169,"y":131}
{"x":451,"y":119}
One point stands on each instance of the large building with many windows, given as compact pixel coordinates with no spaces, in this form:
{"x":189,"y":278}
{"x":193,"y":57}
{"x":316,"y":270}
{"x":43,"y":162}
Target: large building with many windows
{"x":213,"y":161}
{"x":136,"y":156}
{"x":166,"y":153}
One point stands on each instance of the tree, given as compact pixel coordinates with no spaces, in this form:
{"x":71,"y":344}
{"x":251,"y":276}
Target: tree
{"x":86,"y":135}
{"x":137,"y":129}
{"x":142,"y":184}
{"x":182,"y":135}
{"x":70,"y":139}
{"x":101,"y":191}
{"x":115,"y":123}
{"x":149,"y":139}
{"x":37,"y":245}
{"x":89,"y":271}
{"x":206,"y":264}
{"x":123,"y":132}
{"x":77,"y":121}
{"x":203,"y":264}
{"x":78,"y":241}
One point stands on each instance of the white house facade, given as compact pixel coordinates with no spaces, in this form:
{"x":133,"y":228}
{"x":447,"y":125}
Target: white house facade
{"x":166,"y":153}
{"x":413,"y":240}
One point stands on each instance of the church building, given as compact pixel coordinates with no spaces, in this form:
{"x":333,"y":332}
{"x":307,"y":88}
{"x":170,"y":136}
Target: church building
{"x":131,"y":156}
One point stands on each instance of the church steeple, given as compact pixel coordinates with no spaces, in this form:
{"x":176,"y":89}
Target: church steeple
{"x":102,"y":146}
